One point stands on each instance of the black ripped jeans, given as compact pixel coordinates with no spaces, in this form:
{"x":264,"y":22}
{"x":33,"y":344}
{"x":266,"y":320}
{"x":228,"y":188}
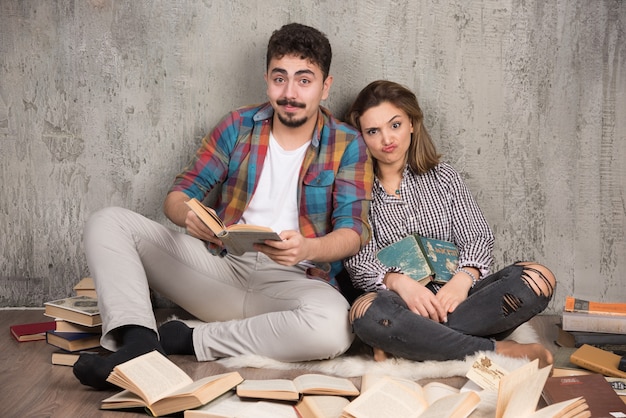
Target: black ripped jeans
{"x":494,"y":308}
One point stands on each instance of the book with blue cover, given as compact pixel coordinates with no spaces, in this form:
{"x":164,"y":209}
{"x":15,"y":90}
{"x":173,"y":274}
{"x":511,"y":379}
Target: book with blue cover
{"x":421,"y":258}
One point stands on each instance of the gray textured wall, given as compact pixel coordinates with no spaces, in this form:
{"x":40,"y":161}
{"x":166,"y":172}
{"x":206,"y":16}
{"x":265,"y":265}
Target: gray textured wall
{"x":102,"y":102}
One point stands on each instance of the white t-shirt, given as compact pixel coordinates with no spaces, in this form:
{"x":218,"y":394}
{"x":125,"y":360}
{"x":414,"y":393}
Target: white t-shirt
{"x":274,"y":202}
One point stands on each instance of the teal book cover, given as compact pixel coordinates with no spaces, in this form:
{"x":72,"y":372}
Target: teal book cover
{"x":443,"y":257}
{"x":422,"y":259}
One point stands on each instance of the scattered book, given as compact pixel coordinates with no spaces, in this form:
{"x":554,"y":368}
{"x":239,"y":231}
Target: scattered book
{"x":230,"y":405}
{"x":154,"y":382}
{"x":73,"y":341}
{"x":68,"y":358}
{"x":597,"y":360}
{"x":292,"y":390}
{"x":422,"y":259}
{"x":606,"y":323}
{"x":82,"y":310}
{"x":66,"y":326}
{"x":31,"y":332}
{"x":321,"y":406}
{"x":237,"y":238}
{"x":597,"y":392}
{"x":573,"y":304}
{"x":409,"y":399}
{"x":85,"y":287}
{"x":606,"y":341}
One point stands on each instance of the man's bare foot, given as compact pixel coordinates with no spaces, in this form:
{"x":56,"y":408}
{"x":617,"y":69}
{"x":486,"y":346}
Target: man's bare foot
{"x":531,"y":351}
{"x":379,"y":355}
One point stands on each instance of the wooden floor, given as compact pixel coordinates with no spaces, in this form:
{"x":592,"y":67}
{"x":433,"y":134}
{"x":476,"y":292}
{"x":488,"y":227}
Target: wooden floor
{"x":30,"y":386}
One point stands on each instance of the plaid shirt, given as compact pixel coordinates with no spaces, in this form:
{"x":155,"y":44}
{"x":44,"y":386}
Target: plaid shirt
{"x":336,"y":178}
{"x":436,"y":204}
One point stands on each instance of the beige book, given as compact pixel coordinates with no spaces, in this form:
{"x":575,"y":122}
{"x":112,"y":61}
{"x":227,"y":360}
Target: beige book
{"x":292,"y":390}
{"x":237,"y":238}
{"x":321,"y":406}
{"x":154,"y":382}
{"x":391,"y":397}
{"x":85,"y":287}
{"x":230,"y":405}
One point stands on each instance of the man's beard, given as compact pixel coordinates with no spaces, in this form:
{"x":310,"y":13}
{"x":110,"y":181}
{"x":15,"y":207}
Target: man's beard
{"x":289,"y":120}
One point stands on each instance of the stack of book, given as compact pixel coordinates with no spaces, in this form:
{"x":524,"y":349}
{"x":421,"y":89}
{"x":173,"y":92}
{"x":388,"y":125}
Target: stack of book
{"x":598,"y":324}
{"x":78,"y":324}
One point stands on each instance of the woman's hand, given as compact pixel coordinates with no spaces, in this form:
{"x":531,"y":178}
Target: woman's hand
{"x":454,"y":292}
{"x":418,"y":298}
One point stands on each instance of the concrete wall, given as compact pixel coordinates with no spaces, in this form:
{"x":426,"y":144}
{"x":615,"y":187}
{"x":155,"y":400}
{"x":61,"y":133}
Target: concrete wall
{"x":102,"y":102}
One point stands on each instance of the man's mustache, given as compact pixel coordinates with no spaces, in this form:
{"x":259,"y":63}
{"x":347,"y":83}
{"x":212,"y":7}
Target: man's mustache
{"x":286,"y":102}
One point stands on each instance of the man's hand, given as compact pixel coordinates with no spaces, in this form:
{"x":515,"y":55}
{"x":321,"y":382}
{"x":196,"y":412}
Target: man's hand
{"x":293,"y":248}
{"x":418,"y":298}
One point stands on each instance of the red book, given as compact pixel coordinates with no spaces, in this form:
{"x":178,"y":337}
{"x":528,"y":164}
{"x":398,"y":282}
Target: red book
{"x":32,"y":332}
{"x":598,"y":393}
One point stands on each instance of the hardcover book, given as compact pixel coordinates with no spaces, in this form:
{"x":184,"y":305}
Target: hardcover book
{"x":605,"y":341}
{"x":597,"y":360}
{"x":73,"y":341}
{"x":600,"y":396}
{"x":85,"y":287}
{"x":423,"y":259}
{"x":82,"y":310}
{"x":573,"y":304}
{"x":31,"y":332}
{"x":580,"y":321}
{"x":237,"y":238}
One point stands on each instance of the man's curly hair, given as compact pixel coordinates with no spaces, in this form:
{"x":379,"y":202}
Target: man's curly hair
{"x":305,"y":41}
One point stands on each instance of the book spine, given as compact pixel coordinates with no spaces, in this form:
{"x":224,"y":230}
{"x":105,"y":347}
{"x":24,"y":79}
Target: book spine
{"x":575,"y":321}
{"x":573,"y":304}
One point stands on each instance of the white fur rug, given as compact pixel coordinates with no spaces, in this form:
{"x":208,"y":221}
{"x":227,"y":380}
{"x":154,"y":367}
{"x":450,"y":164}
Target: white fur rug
{"x":355,"y":365}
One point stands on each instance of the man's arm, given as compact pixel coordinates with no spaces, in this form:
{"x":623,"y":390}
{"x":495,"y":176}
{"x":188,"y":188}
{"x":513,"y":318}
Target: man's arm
{"x":175,"y":208}
{"x":294,"y":247}
{"x":178,"y":212}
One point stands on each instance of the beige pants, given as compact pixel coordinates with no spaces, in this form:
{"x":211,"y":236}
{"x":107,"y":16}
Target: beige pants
{"x":250,"y":304}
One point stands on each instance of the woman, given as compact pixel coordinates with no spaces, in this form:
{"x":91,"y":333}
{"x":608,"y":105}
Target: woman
{"x":415,"y":193}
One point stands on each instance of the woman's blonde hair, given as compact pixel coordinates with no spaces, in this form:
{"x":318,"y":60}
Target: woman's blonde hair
{"x":422,"y":154}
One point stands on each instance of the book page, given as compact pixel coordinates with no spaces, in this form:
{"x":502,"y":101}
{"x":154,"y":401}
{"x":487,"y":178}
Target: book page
{"x":256,"y":388}
{"x":322,"y":384}
{"x":437,"y":390}
{"x":570,"y":406}
{"x":458,"y":405}
{"x":520,"y":390}
{"x":369,"y":380}
{"x":321,"y":406}
{"x":230,"y":405}
{"x":152,"y":376}
{"x":387,"y":399}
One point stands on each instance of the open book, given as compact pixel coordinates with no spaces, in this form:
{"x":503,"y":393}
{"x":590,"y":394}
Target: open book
{"x":518,"y":392}
{"x":292,"y":390}
{"x":237,"y":238}
{"x":154,"y":382}
{"x":387,"y":396}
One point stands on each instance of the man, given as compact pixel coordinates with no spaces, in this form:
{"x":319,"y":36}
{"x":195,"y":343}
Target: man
{"x":286,"y":164}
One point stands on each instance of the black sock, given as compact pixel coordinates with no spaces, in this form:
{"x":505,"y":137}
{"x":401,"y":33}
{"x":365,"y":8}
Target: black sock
{"x":92,"y":370}
{"x":176,"y":338}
